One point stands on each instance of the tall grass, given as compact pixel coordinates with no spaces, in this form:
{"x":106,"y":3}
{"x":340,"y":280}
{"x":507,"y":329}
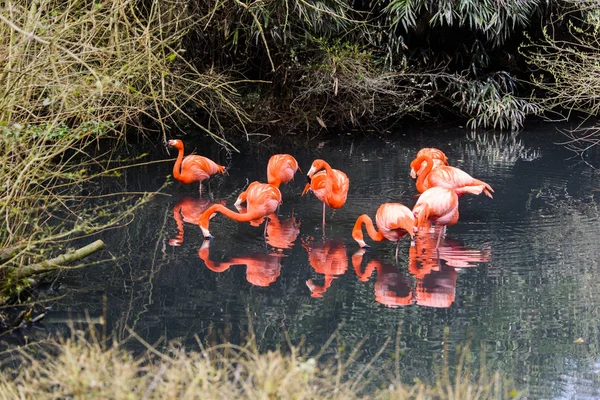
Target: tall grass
{"x":71,"y":74}
{"x":78,"y":368}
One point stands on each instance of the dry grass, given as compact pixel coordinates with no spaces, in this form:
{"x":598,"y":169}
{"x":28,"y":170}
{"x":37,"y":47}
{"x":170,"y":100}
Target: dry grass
{"x":71,"y":74}
{"x":78,"y":368}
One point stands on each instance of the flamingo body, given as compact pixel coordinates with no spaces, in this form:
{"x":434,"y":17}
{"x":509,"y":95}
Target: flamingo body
{"x":393,"y":220}
{"x":451,"y":178}
{"x":438,"y":205}
{"x":438,"y":157}
{"x":281,"y":169}
{"x":193,"y":168}
{"x":262,"y":200}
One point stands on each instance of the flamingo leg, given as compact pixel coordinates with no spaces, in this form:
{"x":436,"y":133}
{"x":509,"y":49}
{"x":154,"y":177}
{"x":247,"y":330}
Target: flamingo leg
{"x":442,"y":231}
{"x":323,"y":218}
{"x":397,"y":246}
{"x":266,"y":223}
{"x":200,"y":189}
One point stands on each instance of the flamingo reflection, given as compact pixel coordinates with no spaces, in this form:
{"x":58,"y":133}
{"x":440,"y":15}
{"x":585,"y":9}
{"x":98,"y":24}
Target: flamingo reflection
{"x":261,"y":269}
{"x":327,"y":257}
{"x":392,"y":288}
{"x":282,"y":234}
{"x":188,"y":209}
{"x":435,"y":270}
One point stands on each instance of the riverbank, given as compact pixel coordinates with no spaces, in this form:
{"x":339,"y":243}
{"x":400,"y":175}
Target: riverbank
{"x":82,"y":368}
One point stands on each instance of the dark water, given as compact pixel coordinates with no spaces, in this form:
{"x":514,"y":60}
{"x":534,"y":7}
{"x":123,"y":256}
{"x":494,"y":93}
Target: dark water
{"x":517,"y":275}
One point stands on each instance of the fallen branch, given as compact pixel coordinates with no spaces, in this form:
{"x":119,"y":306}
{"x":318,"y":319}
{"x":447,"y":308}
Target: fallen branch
{"x":57,"y":262}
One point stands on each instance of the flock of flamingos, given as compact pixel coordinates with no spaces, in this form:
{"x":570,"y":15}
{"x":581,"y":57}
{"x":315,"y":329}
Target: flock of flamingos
{"x":440,"y":186}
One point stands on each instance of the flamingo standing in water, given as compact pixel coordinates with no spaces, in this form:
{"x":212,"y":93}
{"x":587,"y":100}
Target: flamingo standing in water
{"x":438,"y":205}
{"x":393,"y":220}
{"x":262,"y":200}
{"x":193,"y":167}
{"x":438,"y":157}
{"x":280,"y":169}
{"x":449,"y":177}
{"x":328,"y":184}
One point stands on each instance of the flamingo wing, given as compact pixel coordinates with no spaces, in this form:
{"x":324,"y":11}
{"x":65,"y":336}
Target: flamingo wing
{"x":199,"y":168}
{"x":338,"y":192}
{"x":394,"y":220}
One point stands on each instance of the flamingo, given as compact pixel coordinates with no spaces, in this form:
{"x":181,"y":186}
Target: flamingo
{"x":188,"y":209}
{"x":449,"y":177}
{"x":393,"y":220}
{"x":438,"y":157}
{"x":439,"y":205}
{"x":193,"y":167}
{"x":328,"y":184}
{"x":261,"y":269}
{"x":262,"y":200}
{"x":280,"y":169}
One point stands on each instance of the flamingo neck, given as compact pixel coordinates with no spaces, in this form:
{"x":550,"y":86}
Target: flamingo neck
{"x":177,"y":166}
{"x":219,"y":208}
{"x":368,"y":222}
{"x":423,"y":175}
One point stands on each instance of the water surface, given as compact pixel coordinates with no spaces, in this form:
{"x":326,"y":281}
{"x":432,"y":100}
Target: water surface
{"x":517,"y":276}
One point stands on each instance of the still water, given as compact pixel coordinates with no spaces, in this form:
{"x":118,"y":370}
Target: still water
{"x":517,"y":276}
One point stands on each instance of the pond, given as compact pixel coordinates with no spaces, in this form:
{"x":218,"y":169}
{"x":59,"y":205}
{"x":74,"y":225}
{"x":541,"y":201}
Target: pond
{"x":517,"y":277}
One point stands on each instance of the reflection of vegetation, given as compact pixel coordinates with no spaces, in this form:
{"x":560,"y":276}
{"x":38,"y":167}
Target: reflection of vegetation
{"x":79,"y":368}
{"x":499,"y":148}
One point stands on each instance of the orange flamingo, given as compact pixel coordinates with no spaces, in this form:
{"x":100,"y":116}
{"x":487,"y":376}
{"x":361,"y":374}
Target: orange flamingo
{"x":438,"y":157}
{"x":193,"y":167}
{"x":449,"y":177}
{"x":262,"y":200}
{"x":328,"y":258}
{"x":439,"y":205}
{"x":280,"y":169}
{"x":393,"y":220}
{"x":282,"y":234}
{"x":392,"y":288}
{"x":261,"y":269}
{"x":330,"y":185}
{"x":188,"y":209}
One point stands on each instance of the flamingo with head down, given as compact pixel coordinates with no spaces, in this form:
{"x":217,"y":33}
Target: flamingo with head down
{"x":262,"y":200}
{"x":393,"y":220}
{"x":280,"y":169}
